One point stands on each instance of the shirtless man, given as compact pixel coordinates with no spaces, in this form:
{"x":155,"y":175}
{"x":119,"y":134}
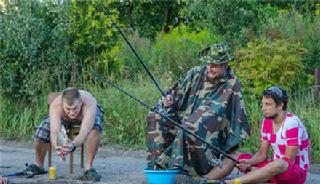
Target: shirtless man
{"x":71,"y":107}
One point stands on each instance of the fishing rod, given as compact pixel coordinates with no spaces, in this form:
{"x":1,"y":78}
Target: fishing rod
{"x":27,"y":174}
{"x":161,"y":91}
{"x":139,"y":58}
{"x":94,"y":74}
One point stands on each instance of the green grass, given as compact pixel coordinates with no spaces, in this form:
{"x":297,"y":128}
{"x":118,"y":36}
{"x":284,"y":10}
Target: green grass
{"x":124,"y":119}
{"x":18,"y":120}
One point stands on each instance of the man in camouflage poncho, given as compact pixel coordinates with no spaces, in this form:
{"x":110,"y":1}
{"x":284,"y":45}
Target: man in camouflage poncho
{"x":208,"y":102}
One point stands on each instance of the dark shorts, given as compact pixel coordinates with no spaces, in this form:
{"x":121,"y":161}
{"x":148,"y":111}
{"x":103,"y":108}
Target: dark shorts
{"x":43,"y":130}
{"x":293,"y":175}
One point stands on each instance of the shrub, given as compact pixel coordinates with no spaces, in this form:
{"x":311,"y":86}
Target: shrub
{"x":33,"y":48}
{"x":169,"y":56}
{"x":176,"y":52}
{"x":263,"y":63}
{"x":299,"y":28}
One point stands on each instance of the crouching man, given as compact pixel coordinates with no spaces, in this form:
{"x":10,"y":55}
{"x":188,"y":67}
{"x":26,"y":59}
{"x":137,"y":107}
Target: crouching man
{"x":71,"y":107}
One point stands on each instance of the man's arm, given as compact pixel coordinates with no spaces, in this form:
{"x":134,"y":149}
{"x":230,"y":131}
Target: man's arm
{"x":89,"y":116}
{"x":55,"y":123}
{"x":257,"y":158}
{"x":261,"y":155}
{"x":291,"y":152}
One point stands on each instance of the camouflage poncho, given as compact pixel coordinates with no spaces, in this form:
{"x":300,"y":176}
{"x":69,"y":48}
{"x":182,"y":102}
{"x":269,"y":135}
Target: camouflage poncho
{"x":210,"y":108}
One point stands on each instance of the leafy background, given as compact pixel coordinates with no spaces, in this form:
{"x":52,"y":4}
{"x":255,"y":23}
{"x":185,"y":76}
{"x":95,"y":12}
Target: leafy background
{"x":274,"y":42}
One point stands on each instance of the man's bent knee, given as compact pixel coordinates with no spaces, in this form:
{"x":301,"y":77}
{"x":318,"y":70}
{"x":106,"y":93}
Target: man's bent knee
{"x":40,"y":142}
{"x":278,"y":166}
{"x":94,"y":133}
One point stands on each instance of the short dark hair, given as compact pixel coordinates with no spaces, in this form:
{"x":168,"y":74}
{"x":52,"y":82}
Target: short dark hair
{"x":70,"y":95}
{"x":278,"y":94}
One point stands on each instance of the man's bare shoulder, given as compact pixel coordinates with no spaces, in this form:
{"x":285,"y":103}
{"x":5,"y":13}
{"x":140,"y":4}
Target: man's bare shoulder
{"x":56,"y":103}
{"x":87,"y":97}
{"x":85,"y":93}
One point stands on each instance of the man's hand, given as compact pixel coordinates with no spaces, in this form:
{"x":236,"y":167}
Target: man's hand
{"x":167,"y":101}
{"x":3,"y":180}
{"x":68,"y":148}
{"x":60,"y":152}
{"x":244,"y":165}
{"x":63,"y":151}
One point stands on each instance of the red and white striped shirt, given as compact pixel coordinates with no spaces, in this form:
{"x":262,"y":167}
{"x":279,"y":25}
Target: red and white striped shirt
{"x":291,"y":133}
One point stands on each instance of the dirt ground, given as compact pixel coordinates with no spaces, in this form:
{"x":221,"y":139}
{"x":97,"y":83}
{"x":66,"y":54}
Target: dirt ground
{"x":115,"y":164}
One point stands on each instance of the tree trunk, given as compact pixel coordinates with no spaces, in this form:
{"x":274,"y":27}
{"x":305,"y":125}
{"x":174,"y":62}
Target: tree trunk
{"x":317,"y":82}
{"x":167,"y":16}
{"x":129,"y":13}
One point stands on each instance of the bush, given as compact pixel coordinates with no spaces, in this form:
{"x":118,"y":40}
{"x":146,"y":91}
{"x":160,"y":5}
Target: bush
{"x":238,"y":21}
{"x":33,"y":48}
{"x":292,"y":25}
{"x":168,"y":57}
{"x":176,"y":52}
{"x":263,"y":63}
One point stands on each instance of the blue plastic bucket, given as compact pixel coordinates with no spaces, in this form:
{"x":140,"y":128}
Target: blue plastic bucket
{"x":161,"y":176}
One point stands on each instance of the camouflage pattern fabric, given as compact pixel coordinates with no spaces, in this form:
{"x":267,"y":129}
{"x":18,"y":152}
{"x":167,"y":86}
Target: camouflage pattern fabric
{"x":215,"y":54}
{"x":212,"y":109}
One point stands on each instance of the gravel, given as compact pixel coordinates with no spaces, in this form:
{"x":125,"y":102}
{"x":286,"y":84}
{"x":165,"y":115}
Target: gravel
{"x":116,"y":164}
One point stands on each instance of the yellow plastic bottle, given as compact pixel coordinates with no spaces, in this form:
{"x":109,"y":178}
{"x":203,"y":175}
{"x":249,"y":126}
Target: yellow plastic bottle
{"x":52,"y":173}
{"x":237,"y":181}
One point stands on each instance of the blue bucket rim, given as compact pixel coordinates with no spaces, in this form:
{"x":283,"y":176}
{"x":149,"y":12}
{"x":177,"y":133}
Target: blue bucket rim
{"x":162,"y":171}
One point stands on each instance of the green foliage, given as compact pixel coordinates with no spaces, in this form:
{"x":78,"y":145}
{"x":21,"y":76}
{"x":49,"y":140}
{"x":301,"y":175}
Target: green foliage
{"x":238,"y":21}
{"x":170,"y":55}
{"x":91,"y":33}
{"x":291,"y":24}
{"x":18,"y":120}
{"x":263,"y":63}
{"x":176,"y":52}
{"x":149,"y":17}
{"x":124,"y":55}
{"x":33,"y":38}
{"x":306,"y":106}
{"x":124,"y":117}
{"x":39,"y":39}
{"x":253,"y":106}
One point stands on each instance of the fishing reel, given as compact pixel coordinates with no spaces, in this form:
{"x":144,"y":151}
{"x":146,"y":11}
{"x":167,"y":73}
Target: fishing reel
{"x":167,"y":112}
{"x":217,"y":162}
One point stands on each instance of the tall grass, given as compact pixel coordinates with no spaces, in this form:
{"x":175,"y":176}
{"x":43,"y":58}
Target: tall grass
{"x":306,"y":107}
{"x":124,"y":119}
{"x":18,"y":120}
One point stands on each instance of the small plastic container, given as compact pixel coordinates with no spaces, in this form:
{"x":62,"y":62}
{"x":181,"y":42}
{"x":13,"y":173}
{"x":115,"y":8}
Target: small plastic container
{"x":161,"y":176}
{"x":52,"y":173}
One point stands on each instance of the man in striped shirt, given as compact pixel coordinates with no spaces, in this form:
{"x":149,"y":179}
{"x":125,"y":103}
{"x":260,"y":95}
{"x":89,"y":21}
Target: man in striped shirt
{"x":289,"y":139}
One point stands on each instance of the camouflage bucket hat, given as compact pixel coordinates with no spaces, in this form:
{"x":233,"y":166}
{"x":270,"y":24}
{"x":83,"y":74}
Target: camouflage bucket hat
{"x":215,"y":54}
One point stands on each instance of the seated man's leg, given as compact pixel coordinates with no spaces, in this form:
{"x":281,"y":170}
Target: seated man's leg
{"x":224,"y":170}
{"x":93,"y":143}
{"x":42,"y":141}
{"x":160,"y":135}
{"x":266,"y":173}
{"x":93,"y":138}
